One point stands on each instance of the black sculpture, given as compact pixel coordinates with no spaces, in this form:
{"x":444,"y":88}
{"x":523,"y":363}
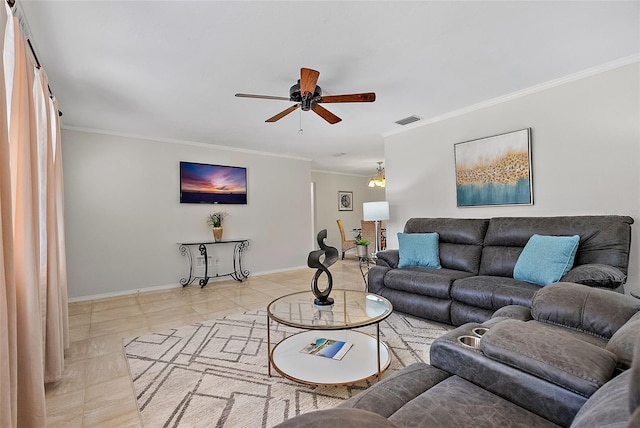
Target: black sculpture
{"x":330,"y":257}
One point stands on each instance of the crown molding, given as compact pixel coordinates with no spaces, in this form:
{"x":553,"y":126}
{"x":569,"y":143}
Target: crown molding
{"x":183,"y":142}
{"x":522,"y":93}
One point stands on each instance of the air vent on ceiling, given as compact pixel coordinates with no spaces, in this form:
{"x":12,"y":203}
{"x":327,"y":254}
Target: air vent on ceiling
{"x":408,"y":120}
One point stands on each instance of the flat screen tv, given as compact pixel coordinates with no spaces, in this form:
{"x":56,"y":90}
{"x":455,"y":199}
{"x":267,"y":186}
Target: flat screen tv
{"x":212,"y":184}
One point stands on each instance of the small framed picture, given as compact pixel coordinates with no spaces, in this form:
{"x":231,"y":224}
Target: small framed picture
{"x":345,"y":201}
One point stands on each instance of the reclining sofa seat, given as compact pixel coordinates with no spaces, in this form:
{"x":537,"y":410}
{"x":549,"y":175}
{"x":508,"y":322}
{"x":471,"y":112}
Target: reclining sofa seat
{"x":559,"y":345}
{"x":478,"y":257}
{"x":421,"y":395}
{"x":550,"y":358}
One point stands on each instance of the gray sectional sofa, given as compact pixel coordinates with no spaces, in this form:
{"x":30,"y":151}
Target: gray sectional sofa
{"x":478,"y":256}
{"x":566,"y":354}
{"x":562,"y":362}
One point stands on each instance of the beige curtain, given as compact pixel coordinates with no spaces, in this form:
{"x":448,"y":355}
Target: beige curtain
{"x":8,"y":332}
{"x":53,"y":284}
{"x":33,"y":290}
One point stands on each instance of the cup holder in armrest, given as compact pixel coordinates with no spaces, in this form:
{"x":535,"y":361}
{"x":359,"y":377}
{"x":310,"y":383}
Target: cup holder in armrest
{"x":470,"y":341}
{"x":479,"y":331}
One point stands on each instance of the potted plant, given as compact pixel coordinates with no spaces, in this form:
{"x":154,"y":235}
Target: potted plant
{"x":362,"y":246}
{"x":215,"y":222}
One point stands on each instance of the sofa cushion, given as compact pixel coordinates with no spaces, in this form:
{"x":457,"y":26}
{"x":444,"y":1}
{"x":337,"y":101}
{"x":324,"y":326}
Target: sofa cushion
{"x":545,"y":259}
{"x":419,"y":249}
{"x":454,"y":230}
{"x":460,"y":240}
{"x":596,"y":275}
{"x":603,"y":239}
{"x":424,"y":281}
{"x":591,"y":310}
{"x":499,"y":260}
{"x":465,"y":258}
{"x":461,"y":313}
{"x":432,"y":308}
{"x":493,"y":292}
{"x":393,"y":392}
{"x":456,"y":402}
{"x":550,"y":354}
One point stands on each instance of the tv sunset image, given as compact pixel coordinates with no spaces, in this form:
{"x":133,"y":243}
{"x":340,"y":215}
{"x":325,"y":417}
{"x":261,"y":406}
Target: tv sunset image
{"x":203,"y":183}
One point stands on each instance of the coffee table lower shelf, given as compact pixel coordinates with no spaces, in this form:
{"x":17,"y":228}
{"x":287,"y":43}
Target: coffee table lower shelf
{"x":361,"y":362}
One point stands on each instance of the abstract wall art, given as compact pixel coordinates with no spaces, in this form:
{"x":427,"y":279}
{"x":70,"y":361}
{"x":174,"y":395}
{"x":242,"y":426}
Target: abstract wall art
{"x":494,"y":170}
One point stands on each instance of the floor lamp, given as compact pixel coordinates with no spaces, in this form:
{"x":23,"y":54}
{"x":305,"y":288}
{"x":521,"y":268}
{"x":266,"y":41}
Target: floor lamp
{"x":376,"y":211}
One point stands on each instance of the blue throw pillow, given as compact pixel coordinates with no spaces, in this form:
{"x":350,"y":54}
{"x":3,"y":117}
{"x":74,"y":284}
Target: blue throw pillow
{"x":545,"y":259}
{"x":419,"y":249}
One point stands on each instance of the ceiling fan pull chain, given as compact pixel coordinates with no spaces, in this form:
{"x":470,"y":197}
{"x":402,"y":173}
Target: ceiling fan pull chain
{"x":300,"y":131}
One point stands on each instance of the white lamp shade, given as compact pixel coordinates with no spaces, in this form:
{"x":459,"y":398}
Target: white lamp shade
{"x":375,"y":211}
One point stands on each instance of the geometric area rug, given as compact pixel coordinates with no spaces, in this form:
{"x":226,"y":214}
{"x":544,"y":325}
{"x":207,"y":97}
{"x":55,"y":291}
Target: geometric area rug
{"x":214,"y":373}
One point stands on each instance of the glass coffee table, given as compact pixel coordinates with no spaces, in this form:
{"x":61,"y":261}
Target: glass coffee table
{"x":367,"y":358}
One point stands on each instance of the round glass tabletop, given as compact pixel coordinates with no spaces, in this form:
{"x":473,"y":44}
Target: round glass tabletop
{"x":351,"y":309}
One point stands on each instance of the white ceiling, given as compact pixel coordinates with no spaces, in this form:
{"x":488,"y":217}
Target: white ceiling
{"x":169,"y":70}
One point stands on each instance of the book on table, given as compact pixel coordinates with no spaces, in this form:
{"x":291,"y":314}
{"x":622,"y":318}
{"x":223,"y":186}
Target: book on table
{"x":330,"y":348}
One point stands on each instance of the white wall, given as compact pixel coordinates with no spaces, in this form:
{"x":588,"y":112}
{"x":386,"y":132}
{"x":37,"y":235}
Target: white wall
{"x":327,"y":187}
{"x":585,"y":155}
{"x":123,"y":216}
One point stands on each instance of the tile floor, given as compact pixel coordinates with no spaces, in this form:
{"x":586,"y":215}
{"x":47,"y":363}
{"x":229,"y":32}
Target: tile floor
{"x":96,"y":391}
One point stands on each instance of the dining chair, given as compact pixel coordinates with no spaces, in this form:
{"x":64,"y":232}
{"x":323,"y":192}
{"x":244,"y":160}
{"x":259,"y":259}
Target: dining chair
{"x":369,"y":231}
{"x":347,"y":244}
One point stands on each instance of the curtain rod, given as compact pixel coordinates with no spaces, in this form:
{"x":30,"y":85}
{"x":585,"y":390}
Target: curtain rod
{"x":12,"y":3}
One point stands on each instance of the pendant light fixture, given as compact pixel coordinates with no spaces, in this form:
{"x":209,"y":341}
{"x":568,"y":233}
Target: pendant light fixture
{"x":378,"y":180}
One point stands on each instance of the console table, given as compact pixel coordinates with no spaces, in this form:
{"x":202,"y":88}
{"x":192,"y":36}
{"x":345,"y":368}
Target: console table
{"x":239,"y":247}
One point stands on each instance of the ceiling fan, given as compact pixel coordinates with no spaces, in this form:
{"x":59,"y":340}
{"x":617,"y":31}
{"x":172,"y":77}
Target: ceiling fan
{"x":308,"y":95}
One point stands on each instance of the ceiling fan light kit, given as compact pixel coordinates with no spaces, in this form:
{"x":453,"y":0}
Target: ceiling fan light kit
{"x":308,"y":95}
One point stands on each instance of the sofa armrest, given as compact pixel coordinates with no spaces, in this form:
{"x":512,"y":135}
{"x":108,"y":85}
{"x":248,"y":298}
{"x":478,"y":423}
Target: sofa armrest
{"x":589,"y":310}
{"x":509,"y":312}
{"x":550,"y":354}
{"x":596,"y":275}
{"x":517,"y":312}
{"x":375,"y":279}
{"x":388,"y":258}
{"x":623,"y":341}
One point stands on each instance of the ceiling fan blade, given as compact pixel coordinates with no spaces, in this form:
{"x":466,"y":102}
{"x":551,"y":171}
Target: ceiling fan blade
{"x":283,"y":113}
{"x":308,"y":80}
{"x":366,"y":97}
{"x":264,"y":97}
{"x":325,"y":114}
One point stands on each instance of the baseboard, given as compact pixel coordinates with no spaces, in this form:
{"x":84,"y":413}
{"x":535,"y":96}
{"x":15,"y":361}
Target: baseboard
{"x":167,"y":286}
